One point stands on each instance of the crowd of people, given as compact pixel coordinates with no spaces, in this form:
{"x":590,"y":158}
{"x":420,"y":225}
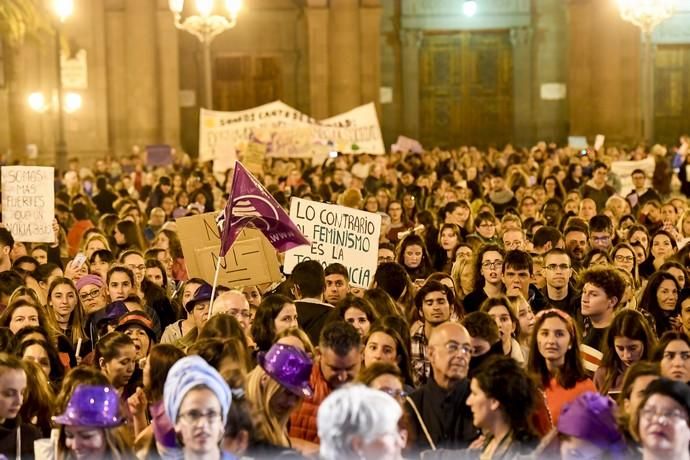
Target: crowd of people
{"x":523,"y":307}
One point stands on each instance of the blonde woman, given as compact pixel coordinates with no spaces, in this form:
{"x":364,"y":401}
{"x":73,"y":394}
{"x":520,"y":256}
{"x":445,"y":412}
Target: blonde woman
{"x":275,"y":388}
{"x":94,"y":242}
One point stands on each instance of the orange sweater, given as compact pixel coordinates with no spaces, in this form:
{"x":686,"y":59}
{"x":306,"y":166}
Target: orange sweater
{"x":557,"y":396}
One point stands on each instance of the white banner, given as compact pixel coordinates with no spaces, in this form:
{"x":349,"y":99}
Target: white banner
{"x":288,"y":132}
{"x":624,"y":169}
{"x":338,"y":234}
{"x":28,"y":202}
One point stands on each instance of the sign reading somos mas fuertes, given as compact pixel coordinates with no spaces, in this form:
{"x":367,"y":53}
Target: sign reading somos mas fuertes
{"x":28,"y":202}
{"x":338,"y":234}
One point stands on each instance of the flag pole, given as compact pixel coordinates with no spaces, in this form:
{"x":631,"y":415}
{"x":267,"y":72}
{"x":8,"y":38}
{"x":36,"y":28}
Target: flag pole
{"x":213,"y":288}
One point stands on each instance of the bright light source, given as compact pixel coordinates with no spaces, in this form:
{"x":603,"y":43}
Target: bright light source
{"x":176,"y":6}
{"x":233,"y":7}
{"x":204,"y":7}
{"x":37,"y":102}
{"x":469,"y":8}
{"x":72,"y":102}
{"x":63,"y":8}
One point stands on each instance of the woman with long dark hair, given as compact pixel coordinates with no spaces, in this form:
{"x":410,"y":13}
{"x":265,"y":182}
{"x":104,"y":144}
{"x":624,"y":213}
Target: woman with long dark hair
{"x":629,"y":339}
{"x":555,"y":359}
{"x":660,"y":299}
{"x":502,"y":397}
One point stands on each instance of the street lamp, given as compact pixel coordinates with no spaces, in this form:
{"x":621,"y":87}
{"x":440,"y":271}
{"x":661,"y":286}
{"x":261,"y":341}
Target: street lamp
{"x":63,"y":9}
{"x":647,"y":14}
{"x":206,"y":26}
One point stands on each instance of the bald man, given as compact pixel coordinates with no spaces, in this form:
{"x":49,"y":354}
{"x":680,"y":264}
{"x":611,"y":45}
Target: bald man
{"x":234,"y":303}
{"x":441,"y":402}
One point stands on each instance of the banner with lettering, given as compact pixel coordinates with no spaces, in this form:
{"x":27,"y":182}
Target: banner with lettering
{"x":28,"y":202}
{"x":338,"y":234}
{"x":287,"y":132}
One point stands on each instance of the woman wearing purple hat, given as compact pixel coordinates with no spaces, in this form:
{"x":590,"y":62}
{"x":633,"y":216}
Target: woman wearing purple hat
{"x":89,"y":426}
{"x":275,"y":388}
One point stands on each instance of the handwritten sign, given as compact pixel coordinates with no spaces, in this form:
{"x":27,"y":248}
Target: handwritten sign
{"x":28,"y":202}
{"x":287,"y":132}
{"x":250,"y":261}
{"x":338,"y":234}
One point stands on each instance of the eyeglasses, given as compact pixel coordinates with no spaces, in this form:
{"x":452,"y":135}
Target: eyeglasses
{"x":394,"y":392}
{"x":554,"y":267}
{"x":627,"y":259}
{"x":455,"y":348}
{"x":492,"y":265}
{"x":243,"y":313}
{"x":90,"y":295}
{"x":137,"y":267}
{"x":194,"y":416}
{"x":668,"y":416}
{"x":386,"y":259}
{"x":487,"y":225}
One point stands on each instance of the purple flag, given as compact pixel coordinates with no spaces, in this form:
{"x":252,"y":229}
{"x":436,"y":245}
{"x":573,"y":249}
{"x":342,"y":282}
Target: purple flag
{"x":250,"y":205}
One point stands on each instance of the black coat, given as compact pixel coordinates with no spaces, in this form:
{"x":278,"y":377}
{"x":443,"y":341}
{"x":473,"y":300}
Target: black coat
{"x":8,"y":439}
{"x":446,"y":416}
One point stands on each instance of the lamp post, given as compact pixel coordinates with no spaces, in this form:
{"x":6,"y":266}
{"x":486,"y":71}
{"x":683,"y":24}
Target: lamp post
{"x":63,"y":9}
{"x":206,"y":26}
{"x":647,"y":14}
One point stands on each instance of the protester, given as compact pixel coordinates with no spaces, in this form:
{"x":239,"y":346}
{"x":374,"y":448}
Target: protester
{"x":359,"y":422}
{"x":662,"y":418}
{"x":16,"y":437}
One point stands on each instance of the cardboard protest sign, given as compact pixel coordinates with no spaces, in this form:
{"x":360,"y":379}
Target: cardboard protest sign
{"x":338,"y":234}
{"x":251,"y":260}
{"x":287,"y":132}
{"x":28,"y":202}
{"x":624,"y":169}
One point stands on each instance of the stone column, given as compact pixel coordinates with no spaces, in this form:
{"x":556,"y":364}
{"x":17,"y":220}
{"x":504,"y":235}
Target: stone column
{"x":550,"y":65}
{"x":317,"y":40}
{"x":169,"y":89}
{"x":141,"y":75}
{"x":370,"y":52}
{"x":523,"y":122}
{"x":344,"y":55}
{"x":411,"y":43}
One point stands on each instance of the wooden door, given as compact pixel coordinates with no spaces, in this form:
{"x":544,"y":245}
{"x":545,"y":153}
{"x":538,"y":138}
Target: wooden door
{"x":243,"y":82}
{"x":671,"y":93}
{"x":466,"y":88}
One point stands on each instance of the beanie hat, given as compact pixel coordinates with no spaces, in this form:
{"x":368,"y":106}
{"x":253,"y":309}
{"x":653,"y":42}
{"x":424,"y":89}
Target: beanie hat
{"x":187,"y":373}
{"x":89,"y":279}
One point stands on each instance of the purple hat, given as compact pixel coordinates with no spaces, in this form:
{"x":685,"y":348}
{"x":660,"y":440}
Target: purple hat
{"x":201,"y":294}
{"x":289,"y":366}
{"x":93,"y":406}
{"x":89,"y":279}
{"x":591,"y":417}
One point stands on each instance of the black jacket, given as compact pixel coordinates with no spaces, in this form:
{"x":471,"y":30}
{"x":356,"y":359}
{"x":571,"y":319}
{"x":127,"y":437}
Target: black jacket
{"x":311,"y":316}
{"x":8,"y":438}
{"x":446,"y":416}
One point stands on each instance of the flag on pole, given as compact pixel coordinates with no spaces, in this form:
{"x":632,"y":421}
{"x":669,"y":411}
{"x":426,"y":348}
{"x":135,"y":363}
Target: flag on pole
{"x":250,"y":205}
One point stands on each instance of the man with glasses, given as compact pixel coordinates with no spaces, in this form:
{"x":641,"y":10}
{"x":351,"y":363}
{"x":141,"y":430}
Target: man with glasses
{"x":437,"y":413}
{"x":559,"y":291}
{"x":386,"y":253}
{"x":640,"y":193}
{"x":601,"y":232}
{"x":135,"y":262}
{"x":234,"y":303}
